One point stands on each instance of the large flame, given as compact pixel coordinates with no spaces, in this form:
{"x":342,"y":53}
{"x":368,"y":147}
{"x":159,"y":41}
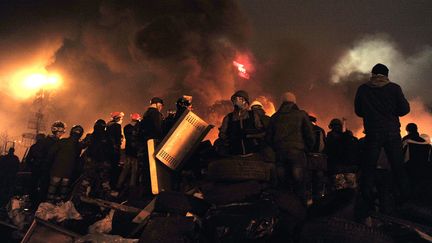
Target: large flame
{"x":27,"y":82}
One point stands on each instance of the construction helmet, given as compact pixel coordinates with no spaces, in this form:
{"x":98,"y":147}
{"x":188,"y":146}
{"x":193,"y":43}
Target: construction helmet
{"x":135,"y":117}
{"x":117,"y":114}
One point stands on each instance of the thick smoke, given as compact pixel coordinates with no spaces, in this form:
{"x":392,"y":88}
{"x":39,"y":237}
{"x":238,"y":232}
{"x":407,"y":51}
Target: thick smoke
{"x":116,"y":55}
{"x":412,"y":71}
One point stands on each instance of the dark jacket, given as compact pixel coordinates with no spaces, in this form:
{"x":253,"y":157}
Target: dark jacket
{"x":239,"y":132}
{"x":342,"y":150}
{"x":98,"y":147}
{"x":320,"y":139}
{"x":290,"y":130}
{"x":10,"y":165}
{"x":380,"y":103}
{"x":64,"y":156}
{"x":151,"y":125}
{"x":36,"y":155}
{"x":115,"y":133}
{"x":415,"y":136}
{"x":131,"y":135}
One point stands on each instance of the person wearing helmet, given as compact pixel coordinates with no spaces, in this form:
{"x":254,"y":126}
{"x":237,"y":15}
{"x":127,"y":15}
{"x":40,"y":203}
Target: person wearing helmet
{"x":131,"y":164}
{"x":236,"y":135}
{"x":150,"y":127}
{"x":114,"y":131}
{"x":97,"y":156}
{"x":342,"y":150}
{"x":183,"y":103}
{"x":64,"y":156}
{"x":41,"y":166}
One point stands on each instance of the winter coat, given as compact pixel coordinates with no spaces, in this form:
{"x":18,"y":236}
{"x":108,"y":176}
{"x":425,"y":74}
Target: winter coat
{"x":151,"y":125}
{"x":320,"y":139}
{"x":342,"y":150}
{"x":10,"y":165}
{"x":115,"y":133}
{"x":415,"y":136}
{"x":131,"y":135}
{"x":380,"y":103}
{"x":290,"y":130}
{"x":239,"y":130}
{"x":37,"y":157}
{"x":64,"y":156}
{"x":98,"y":146}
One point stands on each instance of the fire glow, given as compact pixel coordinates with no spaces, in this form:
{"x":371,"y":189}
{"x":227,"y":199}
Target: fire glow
{"x":242,"y":72}
{"x":27,"y":83}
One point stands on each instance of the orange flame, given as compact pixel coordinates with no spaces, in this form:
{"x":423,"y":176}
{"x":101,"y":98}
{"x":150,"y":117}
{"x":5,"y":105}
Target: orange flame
{"x":242,"y":72}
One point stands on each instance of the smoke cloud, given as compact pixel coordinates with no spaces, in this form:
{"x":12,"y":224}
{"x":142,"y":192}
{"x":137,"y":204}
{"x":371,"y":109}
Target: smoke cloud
{"x":114,"y":56}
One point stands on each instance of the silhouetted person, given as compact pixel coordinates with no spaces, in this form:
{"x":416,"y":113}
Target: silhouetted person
{"x":9,"y":168}
{"x":412,"y":133}
{"x":183,"y":103}
{"x":291,"y":136}
{"x":130,"y":168}
{"x":342,"y":151}
{"x":317,"y":161}
{"x":64,"y":155}
{"x":34,"y":160}
{"x":97,"y":165}
{"x":40,"y":165}
{"x":114,"y":131}
{"x":150,"y":127}
{"x":380,"y":103}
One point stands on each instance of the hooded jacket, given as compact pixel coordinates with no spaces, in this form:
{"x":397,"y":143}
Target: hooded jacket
{"x":290,"y":130}
{"x":380,"y":103}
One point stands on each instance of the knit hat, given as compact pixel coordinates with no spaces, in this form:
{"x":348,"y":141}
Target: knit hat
{"x":241,"y":93}
{"x":289,"y":97}
{"x":156,"y":100}
{"x":380,"y":69}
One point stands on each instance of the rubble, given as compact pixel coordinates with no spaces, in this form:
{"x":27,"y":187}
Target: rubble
{"x":104,"y":238}
{"x":102,"y":226}
{"x":60,"y":212}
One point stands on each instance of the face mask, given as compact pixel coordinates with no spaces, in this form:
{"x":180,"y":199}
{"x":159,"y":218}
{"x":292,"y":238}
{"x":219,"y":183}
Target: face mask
{"x":240,"y":104}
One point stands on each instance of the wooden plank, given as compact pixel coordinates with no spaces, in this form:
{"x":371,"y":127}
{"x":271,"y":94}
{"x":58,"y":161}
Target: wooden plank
{"x":108,"y":204}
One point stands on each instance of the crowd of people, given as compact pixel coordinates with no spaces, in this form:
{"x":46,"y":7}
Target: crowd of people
{"x":308,"y":161}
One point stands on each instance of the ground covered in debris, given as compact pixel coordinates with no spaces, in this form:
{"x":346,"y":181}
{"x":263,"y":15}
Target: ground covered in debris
{"x":217,"y":204}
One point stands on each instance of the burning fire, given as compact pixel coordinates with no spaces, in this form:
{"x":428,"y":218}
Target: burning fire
{"x":243,"y":64}
{"x":26,"y":83}
{"x":242,"y":72}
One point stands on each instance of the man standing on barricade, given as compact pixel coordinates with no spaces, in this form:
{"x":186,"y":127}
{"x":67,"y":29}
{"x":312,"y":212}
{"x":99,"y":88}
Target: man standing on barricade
{"x":380,"y":103}
{"x":291,"y":136}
